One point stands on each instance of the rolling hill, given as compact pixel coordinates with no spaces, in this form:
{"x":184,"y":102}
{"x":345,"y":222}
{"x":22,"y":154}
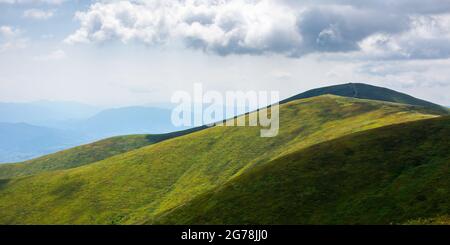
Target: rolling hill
{"x":85,"y":154}
{"x":366,"y":91}
{"x":137,"y":186}
{"x":72,"y":124}
{"x":386,"y":175}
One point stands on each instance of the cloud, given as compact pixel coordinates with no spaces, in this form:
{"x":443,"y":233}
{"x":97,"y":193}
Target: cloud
{"x":49,"y":2}
{"x":341,"y":28}
{"x":38,"y":14}
{"x":218,"y":27}
{"x":380,"y":29}
{"x":120,"y":20}
{"x":11,"y":38}
{"x":8,"y":32}
{"x":427,"y":38}
{"x":393,"y":6}
{"x":410,"y":73}
{"x":54,"y":55}
{"x":281,"y":75}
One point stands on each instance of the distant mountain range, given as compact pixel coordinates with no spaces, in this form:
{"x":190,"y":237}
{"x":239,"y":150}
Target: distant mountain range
{"x":336,"y":160}
{"x":67,"y":124}
{"x":128,"y":120}
{"x":21,"y":141}
{"x":45,"y":113}
{"x":34,"y":129}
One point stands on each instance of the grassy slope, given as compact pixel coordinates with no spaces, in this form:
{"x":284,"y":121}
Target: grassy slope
{"x":386,"y":175}
{"x":440,"y":220}
{"x":84,"y":154}
{"x":134,"y":186}
{"x":366,"y":91}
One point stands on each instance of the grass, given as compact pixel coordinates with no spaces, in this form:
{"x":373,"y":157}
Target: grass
{"x":388,"y":175}
{"x":136,"y":186}
{"x":440,"y":220}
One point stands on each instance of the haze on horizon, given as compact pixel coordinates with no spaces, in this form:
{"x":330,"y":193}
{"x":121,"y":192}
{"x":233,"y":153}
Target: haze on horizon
{"x":118,"y":53}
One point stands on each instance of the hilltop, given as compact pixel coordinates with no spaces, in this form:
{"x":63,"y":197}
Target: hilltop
{"x":366,"y":91}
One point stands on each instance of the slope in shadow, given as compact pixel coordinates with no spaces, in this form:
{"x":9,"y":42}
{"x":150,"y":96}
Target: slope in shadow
{"x":387,"y":175}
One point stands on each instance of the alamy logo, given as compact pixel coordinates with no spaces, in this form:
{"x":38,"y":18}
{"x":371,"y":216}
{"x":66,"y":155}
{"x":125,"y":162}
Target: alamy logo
{"x":213,"y":108}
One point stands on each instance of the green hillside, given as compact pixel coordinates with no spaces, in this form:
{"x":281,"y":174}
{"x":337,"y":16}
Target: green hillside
{"x":85,"y":154}
{"x":135,"y":186}
{"x":440,"y":220}
{"x":381,"y":176}
{"x":366,"y":91}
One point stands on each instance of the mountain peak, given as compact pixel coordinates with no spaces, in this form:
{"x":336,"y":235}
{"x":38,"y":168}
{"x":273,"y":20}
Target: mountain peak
{"x":371,"y":92}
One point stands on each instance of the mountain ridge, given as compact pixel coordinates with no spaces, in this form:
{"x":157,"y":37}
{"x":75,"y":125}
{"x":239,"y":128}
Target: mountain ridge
{"x":367,"y":91}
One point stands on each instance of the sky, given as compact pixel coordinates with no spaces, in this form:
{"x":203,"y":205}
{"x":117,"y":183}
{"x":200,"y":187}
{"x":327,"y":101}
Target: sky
{"x":120,"y":53}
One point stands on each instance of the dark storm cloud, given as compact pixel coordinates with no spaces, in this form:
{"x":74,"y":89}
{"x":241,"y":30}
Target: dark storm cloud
{"x":340,"y":29}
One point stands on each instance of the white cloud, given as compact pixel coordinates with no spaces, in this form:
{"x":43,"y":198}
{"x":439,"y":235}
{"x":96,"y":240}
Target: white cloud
{"x":11,"y":38}
{"x":8,"y":32}
{"x":49,"y":2}
{"x":281,"y":75}
{"x":427,"y":38}
{"x":54,"y":55}
{"x":411,"y":73}
{"x":222,"y":27}
{"x":38,"y":14}
{"x":268,"y":26}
